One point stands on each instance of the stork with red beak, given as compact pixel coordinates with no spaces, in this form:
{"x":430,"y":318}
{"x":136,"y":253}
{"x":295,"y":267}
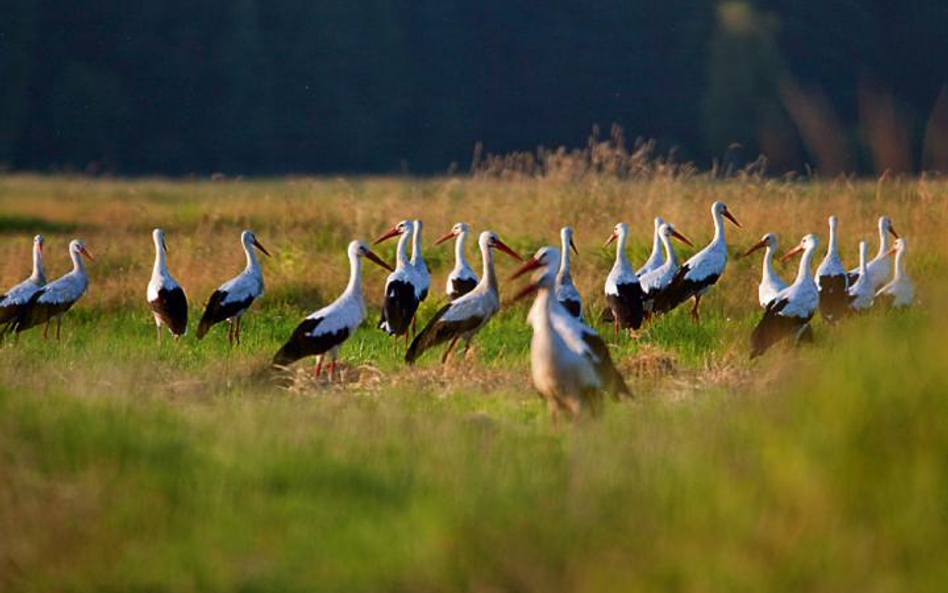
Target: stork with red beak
{"x":879,"y":267}
{"x":565,"y":290}
{"x":403,"y":288}
{"x":462,"y":279}
{"x":232,"y":299}
{"x":700,"y":273}
{"x":770,"y":282}
{"x":165,"y":296}
{"x":324,"y":331}
{"x":788,"y":314}
{"x":658,"y":280}
{"x":622,"y":288}
{"x":900,"y":292}
{"x":570,"y":363}
{"x":54,"y":299}
{"x":832,"y":280}
{"x":13,"y":300}
{"x":464,"y":317}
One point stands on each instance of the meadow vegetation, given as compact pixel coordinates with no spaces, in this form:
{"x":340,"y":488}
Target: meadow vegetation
{"x":127,"y":465}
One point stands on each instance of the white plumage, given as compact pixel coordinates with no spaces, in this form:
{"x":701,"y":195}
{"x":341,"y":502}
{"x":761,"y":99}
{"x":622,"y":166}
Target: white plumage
{"x":565,"y":290}
{"x":12,"y":300}
{"x":402,"y":287}
{"x":659,"y":278}
{"x":770,"y":282}
{"x":900,"y":292}
{"x":621,"y":272}
{"x":164,"y":295}
{"x":655,"y":259}
{"x":422,"y":277}
{"x":832,"y":279}
{"x":462,"y":278}
{"x":861,"y":293}
{"x":880,"y":266}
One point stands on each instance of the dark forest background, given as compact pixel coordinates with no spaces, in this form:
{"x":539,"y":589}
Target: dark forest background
{"x":278,"y":86}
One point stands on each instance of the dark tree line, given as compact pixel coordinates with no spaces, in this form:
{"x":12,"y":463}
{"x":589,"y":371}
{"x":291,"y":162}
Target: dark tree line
{"x":274,"y":86}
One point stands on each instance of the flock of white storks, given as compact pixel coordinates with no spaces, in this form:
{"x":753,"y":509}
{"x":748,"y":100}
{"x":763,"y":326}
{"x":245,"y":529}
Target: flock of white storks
{"x":571,"y":365}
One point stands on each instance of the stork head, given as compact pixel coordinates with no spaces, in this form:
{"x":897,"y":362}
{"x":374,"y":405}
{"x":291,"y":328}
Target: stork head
{"x":768,"y":240}
{"x":719,"y":209}
{"x":807,"y":244}
{"x":668,"y":230}
{"x":832,"y":222}
{"x":360,"y":249}
{"x":402,"y":228}
{"x":546,"y":259}
{"x":38,"y":243}
{"x":249,"y":239}
{"x":659,"y":221}
{"x":885,"y":226}
{"x":78,"y":247}
{"x":489,"y":239}
{"x":566,"y":235}
{"x":158,"y":236}
{"x":459,"y":228}
{"x":620,"y":230}
{"x":898,"y":247}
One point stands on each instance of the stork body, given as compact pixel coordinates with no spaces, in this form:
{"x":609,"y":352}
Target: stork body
{"x":654,"y":282}
{"x":464,"y":317}
{"x":860,"y":293}
{"x":402,"y":290}
{"x":770,"y":282}
{"x":462,"y":279}
{"x":832,"y":280}
{"x":167,"y":300}
{"x":879,"y":267}
{"x":232,"y":299}
{"x":696,"y":277}
{"x":324,"y":331}
{"x":899,"y":292}
{"x":565,"y":290}
{"x":655,"y":259}
{"x":56,"y":298}
{"x":789,"y":314}
{"x":622,"y":288}
{"x":13,"y":300}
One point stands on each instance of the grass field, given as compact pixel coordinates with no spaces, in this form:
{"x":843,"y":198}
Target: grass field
{"x":131,"y":466}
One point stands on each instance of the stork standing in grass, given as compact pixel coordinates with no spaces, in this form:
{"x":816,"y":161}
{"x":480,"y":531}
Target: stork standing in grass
{"x":623,"y":292}
{"x":566,"y":293}
{"x":899,"y":292}
{"x":402,"y":287}
{"x":770,"y":282}
{"x":462,"y":278}
{"x":570,"y":363}
{"x":464,"y":317}
{"x":789,"y":314}
{"x":233,"y":298}
{"x":165,"y":296}
{"x":56,"y":298}
{"x":324,"y":331}
{"x":654,"y":282}
{"x":700,"y":273}
{"x":880,"y":266}
{"x":655,"y":259}
{"x":860,"y":293}
{"x":13,"y":300}
{"x":832,"y":280}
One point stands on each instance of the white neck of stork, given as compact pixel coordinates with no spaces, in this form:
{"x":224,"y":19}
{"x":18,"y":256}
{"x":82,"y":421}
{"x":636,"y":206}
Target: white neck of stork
{"x":718,"y":217}
{"x":665,"y":236}
{"x":804,"y":274}
{"x":460,"y":240}
{"x":899,"y":259}
{"x":159,"y":239}
{"x":566,"y":241}
{"x":885,"y":227}
{"x":769,"y":274}
{"x":833,"y":242}
{"x":355,"y":270}
{"x":621,"y":237}
{"x":656,"y":241}
{"x":488,"y":278}
{"x":401,"y":252}
{"x":863,"y":249}
{"x":78,"y":266}
{"x":252,"y":264}
{"x":38,"y":273}
{"x":416,"y":242}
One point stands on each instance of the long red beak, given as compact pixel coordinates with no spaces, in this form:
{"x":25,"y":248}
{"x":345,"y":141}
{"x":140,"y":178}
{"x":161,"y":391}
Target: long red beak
{"x":611,"y":238}
{"x":392,"y":232}
{"x":503,"y":247}
{"x":84,"y":252}
{"x":530,"y":265}
{"x":573,"y":246}
{"x":758,"y":245}
{"x":682,"y":238}
{"x":378,"y":260}
{"x":892,"y":231}
{"x":525,"y":291}
{"x":445,"y":237}
{"x":727,"y":215}
{"x":260,"y":247}
{"x":791,"y":253}
{"x":164,"y":246}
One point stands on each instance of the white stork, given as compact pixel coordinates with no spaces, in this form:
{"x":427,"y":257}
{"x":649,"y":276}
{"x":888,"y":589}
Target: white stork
{"x":655,"y":259}
{"x":234,"y":297}
{"x":464,"y":317}
{"x":13,"y":300}
{"x":860,"y":293}
{"x":565,"y":290}
{"x":165,"y":296}
{"x":880,"y":266}
{"x":770,"y":282}
{"x":622,"y":289}
{"x":654,"y":282}
{"x":899,"y":292}
{"x":402,"y":287}
{"x":696,"y":277}
{"x":462,"y":278}
{"x":54,"y":299}
{"x":832,"y":280}
{"x":422,"y":277}
{"x":325,"y":330}
{"x":558,"y":374}
{"x":789,"y":314}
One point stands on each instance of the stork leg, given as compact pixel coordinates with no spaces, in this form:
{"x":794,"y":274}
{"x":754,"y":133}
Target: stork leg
{"x":158,"y":329}
{"x":467,"y":346}
{"x":230,"y":332}
{"x":237,"y":331}
{"x":615,"y":327}
{"x":332,"y":369}
{"x":444,"y":357}
{"x":319,"y":365}
{"x":413,"y":318}
{"x":46,"y":330}
{"x":59,"y":326}
{"x":695,"y":316}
